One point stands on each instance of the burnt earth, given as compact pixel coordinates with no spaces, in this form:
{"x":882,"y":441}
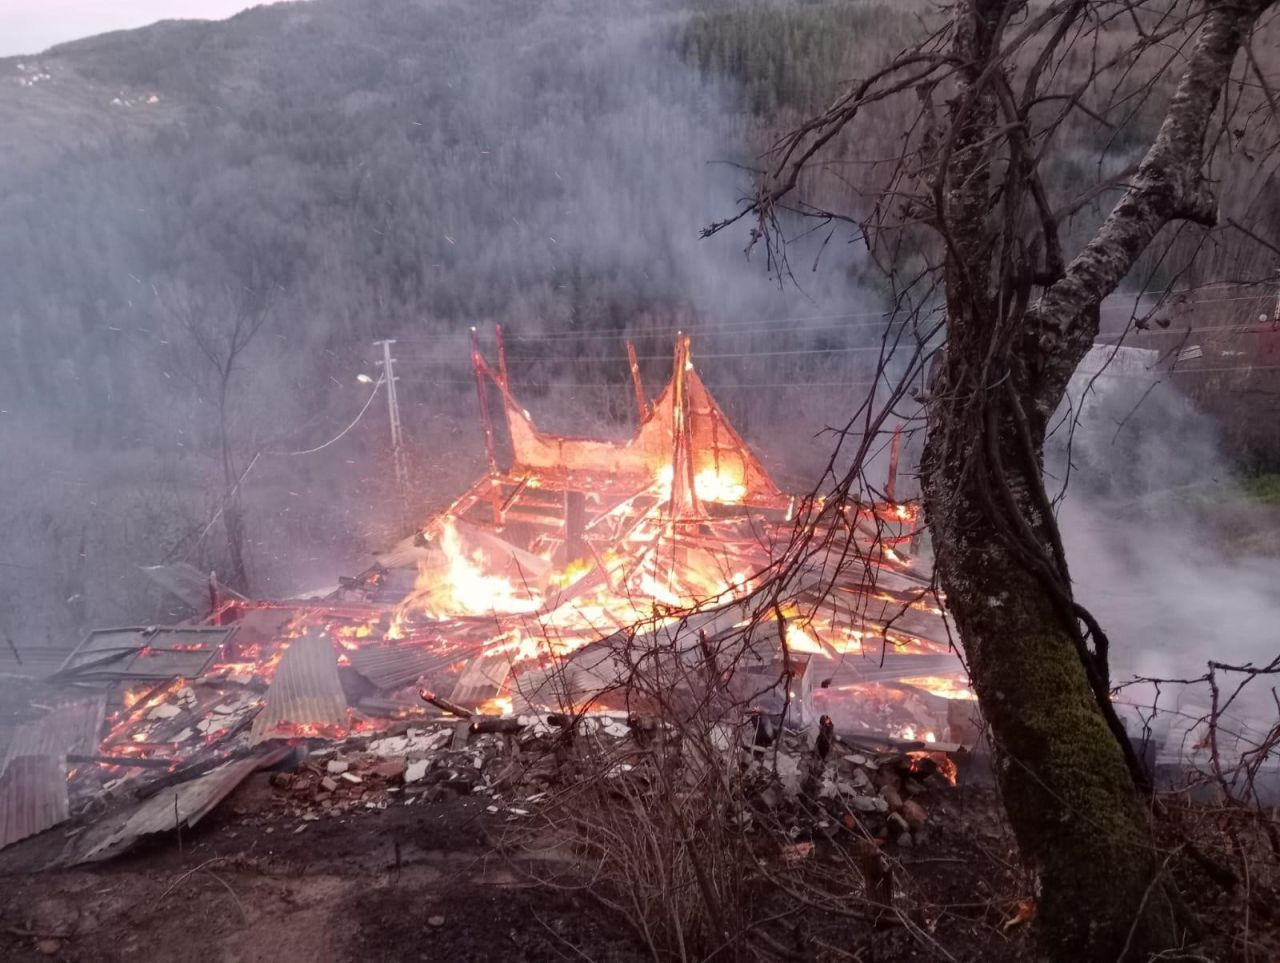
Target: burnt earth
{"x":419,"y":883}
{"x":258,"y":882}
{"x":405,"y":883}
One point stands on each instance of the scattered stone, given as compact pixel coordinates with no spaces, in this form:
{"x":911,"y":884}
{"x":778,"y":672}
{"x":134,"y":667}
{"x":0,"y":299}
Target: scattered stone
{"x":461,"y":735}
{"x":416,"y":770}
{"x":337,"y":766}
{"x":389,"y":769}
{"x":868,"y":804}
{"x":328,"y":784}
{"x":898,"y":824}
{"x":892,"y":797}
{"x":914,"y":814}
{"x":350,"y":777}
{"x":612,"y":727}
{"x":789,"y":773}
{"x":435,"y":921}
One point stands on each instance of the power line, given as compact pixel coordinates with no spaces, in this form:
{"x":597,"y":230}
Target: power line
{"x":614,"y":385}
{"x":856,"y":349}
{"x":697,"y":327}
{"x":621,"y":384}
{"x":338,"y":436}
{"x":788,"y":324}
{"x":659,"y":357}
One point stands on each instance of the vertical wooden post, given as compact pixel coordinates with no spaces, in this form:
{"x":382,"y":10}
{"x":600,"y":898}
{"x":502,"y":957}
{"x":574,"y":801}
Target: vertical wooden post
{"x":483,"y":396}
{"x":575,"y":524}
{"x":502,"y":357}
{"x":642,"y":406}
{"x":683,"y":495}
{"x":895,"y":449}
{"x":213,"y":598}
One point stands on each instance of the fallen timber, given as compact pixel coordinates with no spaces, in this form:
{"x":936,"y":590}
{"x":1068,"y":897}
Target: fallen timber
{"x":585,"y":581}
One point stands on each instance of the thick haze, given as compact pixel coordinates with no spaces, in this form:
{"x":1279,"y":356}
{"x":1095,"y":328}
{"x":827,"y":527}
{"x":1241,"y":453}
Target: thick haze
{"x":1158,"y":540}
{"x":30,"y":26}
{"x":355,"y":169}
{"x":345,"y":170}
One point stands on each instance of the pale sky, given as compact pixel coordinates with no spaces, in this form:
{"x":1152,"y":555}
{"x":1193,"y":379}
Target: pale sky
{"x":30,"y":26}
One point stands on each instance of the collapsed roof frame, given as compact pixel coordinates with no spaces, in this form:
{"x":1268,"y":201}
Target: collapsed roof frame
{"x":682,"y":436}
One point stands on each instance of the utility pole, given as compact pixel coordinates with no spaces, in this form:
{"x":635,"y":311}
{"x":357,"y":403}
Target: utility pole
{"x":393,"y":409}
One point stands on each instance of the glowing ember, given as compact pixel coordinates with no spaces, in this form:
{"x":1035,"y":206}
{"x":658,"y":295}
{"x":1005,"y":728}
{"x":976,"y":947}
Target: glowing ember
{"x":798,"y":640}
{"x":711,"y":486}
{"x":945,"y":686}
{"x":912,"y":734}
{"x":497,"y":706}
{"x":708,"y":484}
{"x":946,"y":765}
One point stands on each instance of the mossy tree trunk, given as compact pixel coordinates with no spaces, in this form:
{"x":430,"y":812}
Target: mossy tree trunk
{"x":1021,"y":313}
{"x":1062,"y":775}
{"x":1065,"y":768}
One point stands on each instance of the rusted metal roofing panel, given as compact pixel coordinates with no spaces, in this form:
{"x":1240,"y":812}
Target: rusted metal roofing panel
{"x":182,"y":805}
{"x":306,"y":692}
{"x":71,"y":727}
{"x":33,"y":797}
{"x":146,"y":652}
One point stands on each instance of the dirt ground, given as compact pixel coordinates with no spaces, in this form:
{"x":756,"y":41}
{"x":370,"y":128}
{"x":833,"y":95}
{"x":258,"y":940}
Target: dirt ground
{"x":406,"y":883}
{"x":425,"y":882}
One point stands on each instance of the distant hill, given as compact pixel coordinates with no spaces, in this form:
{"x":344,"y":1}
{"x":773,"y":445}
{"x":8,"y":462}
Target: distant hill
{"x":371,"y":167}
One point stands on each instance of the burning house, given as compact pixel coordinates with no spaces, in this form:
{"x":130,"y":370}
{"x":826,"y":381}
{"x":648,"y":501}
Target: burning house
{"x":580,"y":578}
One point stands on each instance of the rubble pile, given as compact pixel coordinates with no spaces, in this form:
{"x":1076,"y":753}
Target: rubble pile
{"x":521,"y":762}
{"x":543,"y":594}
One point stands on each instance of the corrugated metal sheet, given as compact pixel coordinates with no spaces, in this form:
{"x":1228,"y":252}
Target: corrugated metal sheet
{"x":146,"y":652}
{"x":182,"y":805}
{"x":33,"y":797}
{"x":306,"y":691}
{"x":892,"y":666}
{"x":33,"y":770}
{"x":261,"y":626}
{"x":482,"y":679}
{"x":71,"y":727}
{"x":189,"y":585}
{"x":393,"y":666}
{"x":31,"y":661}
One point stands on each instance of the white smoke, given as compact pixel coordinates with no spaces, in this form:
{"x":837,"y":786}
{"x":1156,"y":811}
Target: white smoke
{"x":1152,"y":522}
